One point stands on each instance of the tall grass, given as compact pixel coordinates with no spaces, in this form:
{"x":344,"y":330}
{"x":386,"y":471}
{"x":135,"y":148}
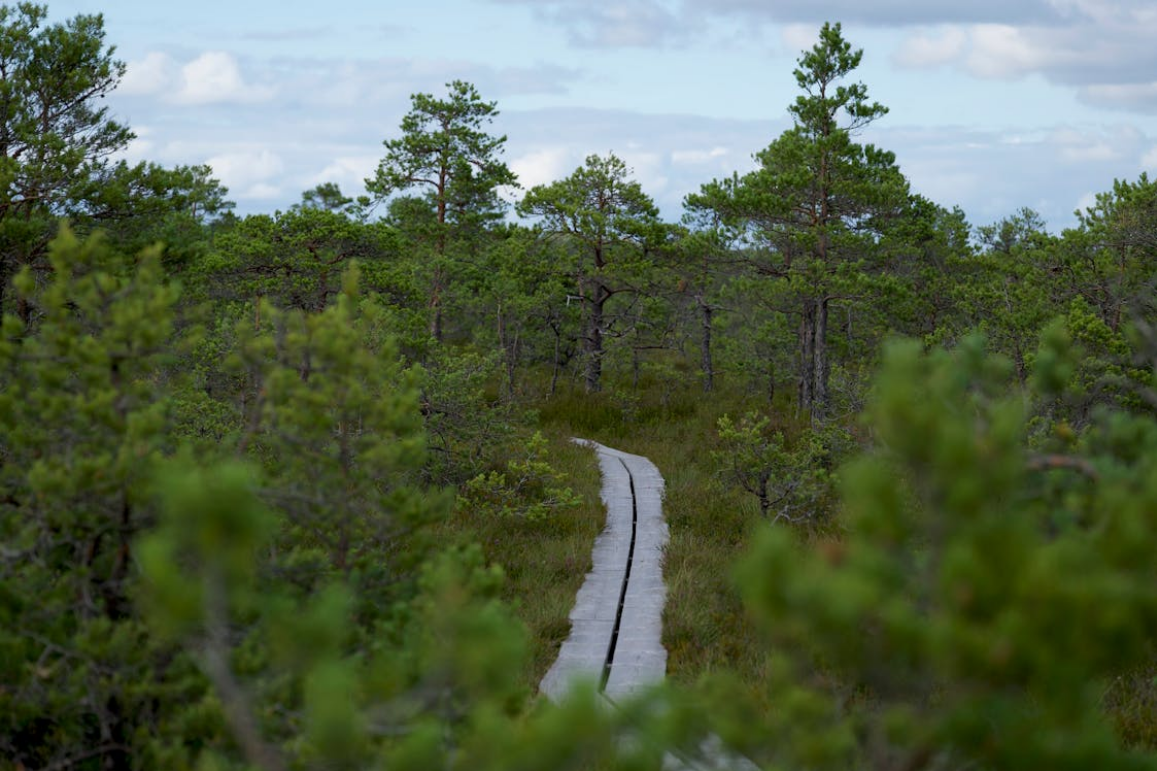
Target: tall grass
{"x":544,"y":560}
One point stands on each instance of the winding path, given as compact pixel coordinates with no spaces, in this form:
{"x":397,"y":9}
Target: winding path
{"x":617,"y":620}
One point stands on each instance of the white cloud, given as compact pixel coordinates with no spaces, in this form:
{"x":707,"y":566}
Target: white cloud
{"x":648,"y":169}
{"x":698,"y":156}
{"x":301,"y":138}
{"x":991,"y":175}
{"x":248,"y":173}
{"x":932,"y":49}
{"x":659,"y":22}
{"x":215,"y":76}
{"x":629,"y":24}
{"x":1122,"y":95}
{"x":1003,"y":51}
{"x":349,"y":172}
{"x":1106,"y":12}
{"x":1093,"y":146}
{"x":880,"y":12}
{"x":621,"y":25}
{"x":1096,"y":152}
{"x":1077,"y":147}
{"x":261,"y":190}
{"x":141,"y":148}
{"x":144,"y":77}
{"x":1024,"y":138}
{"x":799,"y":37}
{"x":1103,"y":49}
{"x":544,"y":165}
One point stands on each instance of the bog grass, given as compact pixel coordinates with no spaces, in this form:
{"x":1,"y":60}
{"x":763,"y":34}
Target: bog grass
{"x":544,"y":560}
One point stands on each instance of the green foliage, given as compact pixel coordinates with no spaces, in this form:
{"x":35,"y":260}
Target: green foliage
{"x":597,"y":205}
{"x":295,"y":259}
{"x":604,"y":222}
{"x":529,"y":487}
{"x":82,"y":425}
{"x":816,"y":205}
{"x":465,"y":421}
{"x":209,"y":540}
{"x":959,"y":622}
{"x":281,"y":603}
{"x":585,"y":414}
{"x":533,"y":320}
{"x":312,"y":679}
{"x":1114,"y":260}
{"x":57,"y":137}
{"x":147,"y":204}
{"x":58,"y":142}
{"x":328,"y":197}
{"x":544,"y":560}
{"x":789,"y":483}
{"x":927,"y":256}
{"x":338,"y":428}
{"x":829,"y":61}
{"x":445,"y":153}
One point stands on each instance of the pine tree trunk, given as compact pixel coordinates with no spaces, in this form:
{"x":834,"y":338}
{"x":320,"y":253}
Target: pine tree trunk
{"x":436,"y":316}
{"x":4,"y":271}
{"x":1021,"y":366}
{"x":822,"y":368}
{"x":761,"y":492}
{"x":557,"y":362}
{"x":512,"y":362}
{"x":507,"y":352}
{"x":707,"y":362}
{"x":807,"y":356}
{"x":439,"y":279}
{"x":593,"y":342}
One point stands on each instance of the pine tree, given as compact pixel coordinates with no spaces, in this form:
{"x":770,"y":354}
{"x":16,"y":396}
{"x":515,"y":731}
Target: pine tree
{"x":607,"y":220}
{"x":983,"y":596}
{"x":445,"y":153}
{"x":83,"y":418}
{"x":815,"y":203}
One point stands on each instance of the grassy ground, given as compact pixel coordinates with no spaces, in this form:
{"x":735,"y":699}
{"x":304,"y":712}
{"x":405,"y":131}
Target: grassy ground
{"x":546,"y":560}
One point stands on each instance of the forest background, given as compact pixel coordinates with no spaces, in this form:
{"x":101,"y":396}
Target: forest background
{"x":295,"y":489}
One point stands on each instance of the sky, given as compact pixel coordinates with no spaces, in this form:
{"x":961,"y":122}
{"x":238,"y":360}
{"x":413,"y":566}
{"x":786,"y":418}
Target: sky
{"x":994,"y":105}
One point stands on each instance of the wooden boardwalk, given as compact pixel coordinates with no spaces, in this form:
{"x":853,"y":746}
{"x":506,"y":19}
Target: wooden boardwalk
{"x":617,"y":620}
